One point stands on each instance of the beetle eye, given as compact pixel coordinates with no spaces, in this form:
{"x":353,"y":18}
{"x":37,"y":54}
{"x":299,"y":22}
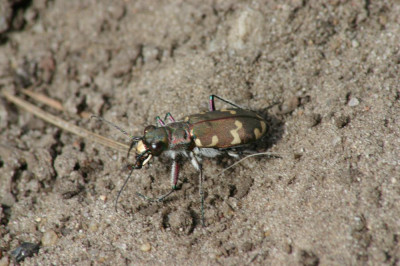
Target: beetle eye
{"x":156,"y":148}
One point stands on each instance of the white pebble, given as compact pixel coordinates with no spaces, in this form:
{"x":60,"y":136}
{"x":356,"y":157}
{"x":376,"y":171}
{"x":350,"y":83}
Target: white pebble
{"x":353,"y":102}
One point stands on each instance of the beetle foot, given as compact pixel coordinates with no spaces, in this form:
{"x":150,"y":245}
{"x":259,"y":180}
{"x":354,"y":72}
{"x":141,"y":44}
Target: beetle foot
{"x":159,"y":199}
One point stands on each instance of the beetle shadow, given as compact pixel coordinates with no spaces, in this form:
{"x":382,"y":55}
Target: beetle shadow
{"x":275,"y":130}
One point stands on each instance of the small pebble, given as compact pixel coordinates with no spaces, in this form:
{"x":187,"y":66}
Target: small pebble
{"x":355,"y":43}
{"x":297,"y":155}
{"x":247,"y":247}
{"x":7,"y":199}
{"x":49,"y":238}
{"x":146,"y":247}
{"x":103,"y":198}
{"x":4,"y":261}
{"x":93,"y":227}
{"x":335,"y":63}
{"x":353,"y":102}
{"x":336,"y":141}
{"x":289,"y":105}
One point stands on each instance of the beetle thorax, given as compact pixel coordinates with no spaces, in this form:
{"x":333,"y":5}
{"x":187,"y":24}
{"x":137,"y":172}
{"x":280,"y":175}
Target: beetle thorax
{"x":179,"y":137}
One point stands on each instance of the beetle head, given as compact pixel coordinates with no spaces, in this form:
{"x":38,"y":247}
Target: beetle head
{"x":153,"y":143}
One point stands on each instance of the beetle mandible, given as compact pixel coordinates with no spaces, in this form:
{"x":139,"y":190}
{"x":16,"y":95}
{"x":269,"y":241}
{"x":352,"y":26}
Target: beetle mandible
{"x":206,"y":134}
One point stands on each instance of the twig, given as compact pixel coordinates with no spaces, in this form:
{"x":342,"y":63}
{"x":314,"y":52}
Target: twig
{"x":64,"y":124}
{"x":43,"y":99}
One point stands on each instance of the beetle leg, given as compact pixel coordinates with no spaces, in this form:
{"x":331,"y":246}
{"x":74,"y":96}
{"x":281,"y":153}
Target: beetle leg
{"x":170,"y":117}
{"x":196,"y":161}
{"x":174,"y":181}
{"x":160,"y":122}
{"x":233,"y":154}
{"x":174,"y":174}
{"x":201,"y":192}
{"x":212,"y":104}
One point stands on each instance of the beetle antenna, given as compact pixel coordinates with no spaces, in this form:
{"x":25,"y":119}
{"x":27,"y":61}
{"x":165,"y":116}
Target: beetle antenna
{"x":269,"y":154}
{"x":134,"y":139}
{"x":111,"y":124}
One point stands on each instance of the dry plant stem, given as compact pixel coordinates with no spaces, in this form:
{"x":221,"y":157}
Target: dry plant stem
{"x":65,"y":125}
{"x":49,"y":101}
{"x":43,"y":99}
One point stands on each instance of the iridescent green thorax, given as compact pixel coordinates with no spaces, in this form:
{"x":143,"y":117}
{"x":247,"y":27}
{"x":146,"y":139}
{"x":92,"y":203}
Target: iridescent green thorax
{"x":179,"y":136}
{"x":174,"y":136}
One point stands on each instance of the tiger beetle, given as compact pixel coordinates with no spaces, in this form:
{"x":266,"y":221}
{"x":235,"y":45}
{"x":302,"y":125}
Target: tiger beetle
{"x":207,"y":134}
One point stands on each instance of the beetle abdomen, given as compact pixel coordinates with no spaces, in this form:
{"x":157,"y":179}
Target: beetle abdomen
{"x":226,"y":128}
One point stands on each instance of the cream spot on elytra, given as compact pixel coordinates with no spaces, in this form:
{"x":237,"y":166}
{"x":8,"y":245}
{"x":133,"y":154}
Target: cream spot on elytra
{"x":235,"y":134}
{"x":257,"y":133}
{"x":198,"y":143}
{"x":214,"y":141}
{"x":263,"y":127}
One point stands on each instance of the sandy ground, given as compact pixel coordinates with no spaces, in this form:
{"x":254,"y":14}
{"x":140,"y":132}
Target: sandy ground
{"x":330,"y":72}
